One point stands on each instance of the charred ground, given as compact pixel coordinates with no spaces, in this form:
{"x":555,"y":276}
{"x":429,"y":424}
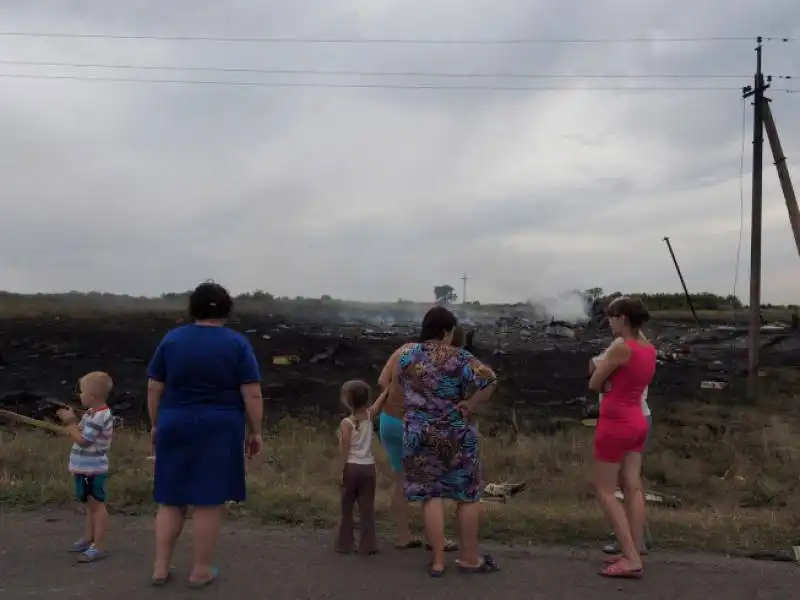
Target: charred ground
{"x":542,"y":368}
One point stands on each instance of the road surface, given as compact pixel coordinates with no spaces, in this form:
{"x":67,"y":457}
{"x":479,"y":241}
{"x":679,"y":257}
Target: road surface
{"x":287,"y":564}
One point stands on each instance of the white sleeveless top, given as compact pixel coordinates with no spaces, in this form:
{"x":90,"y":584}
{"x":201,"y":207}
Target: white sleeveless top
{"x":360,"y":452}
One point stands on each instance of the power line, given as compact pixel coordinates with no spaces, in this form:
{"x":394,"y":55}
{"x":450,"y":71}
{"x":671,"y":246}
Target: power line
{"x":267,"y":71}
{"x":287,"y":84}
{"x":351,"y":40}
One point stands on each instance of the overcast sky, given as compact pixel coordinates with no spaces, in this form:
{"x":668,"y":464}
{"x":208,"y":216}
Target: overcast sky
{"x":377,"y":194}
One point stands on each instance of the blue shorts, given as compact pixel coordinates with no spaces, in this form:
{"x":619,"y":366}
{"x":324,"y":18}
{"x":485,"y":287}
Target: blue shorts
{"x":391,"y":434}
{"x":91,"y":486}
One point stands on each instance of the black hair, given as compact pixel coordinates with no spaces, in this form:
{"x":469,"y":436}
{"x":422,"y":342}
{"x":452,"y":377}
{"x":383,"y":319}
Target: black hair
{"x":633,"y":309}
{"x":436,"y":323}
{"x":210,"y":300}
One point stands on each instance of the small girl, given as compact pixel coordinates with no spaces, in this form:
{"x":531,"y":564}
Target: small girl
{"x":357,"y":480}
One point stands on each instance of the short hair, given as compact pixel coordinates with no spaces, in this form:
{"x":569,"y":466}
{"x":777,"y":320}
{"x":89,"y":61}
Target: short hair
{"x":633,"y":309}
{"x":97,"y":384}
{"x":459,"y":337}
{"x":356,"y":394}
{"x":436,"y":323}
{"x":210,"y":300}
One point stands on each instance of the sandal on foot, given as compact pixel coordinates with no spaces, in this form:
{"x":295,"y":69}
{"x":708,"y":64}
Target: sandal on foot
{"x":449,"y":546}
{"x":618,"y":571}
{"x":613,"y":559}
{"x":156,"y":581}
{"x":160,"y":581}
{"x":92,"y":554}
{"x":409,"y":545}
{"x":487,"y":565}
{"x":196,"y":585}
{"x":435,"y":572}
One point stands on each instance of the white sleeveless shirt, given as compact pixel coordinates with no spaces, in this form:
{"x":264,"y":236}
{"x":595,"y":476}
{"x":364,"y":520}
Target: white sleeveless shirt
{"x":360,"y":452}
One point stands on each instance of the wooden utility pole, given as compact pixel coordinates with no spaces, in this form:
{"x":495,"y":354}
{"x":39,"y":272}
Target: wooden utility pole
{"x":464,"y":280}
{"x":683,"y":282}
{"x":783,"y":173}
{"x":754,"y":342}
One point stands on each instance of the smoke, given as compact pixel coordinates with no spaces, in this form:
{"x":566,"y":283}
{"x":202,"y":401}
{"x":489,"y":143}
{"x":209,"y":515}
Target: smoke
{"x":569,"y":306}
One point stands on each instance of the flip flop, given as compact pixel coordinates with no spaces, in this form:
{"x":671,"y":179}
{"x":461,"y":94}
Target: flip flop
{"x":617,"y":571}
{"x":434,"y":572}
{"x":488,"y":565}
{"x":410,"y":545}
{"x":613,"y":559}
{"x":160,"y":581}
{"x":196,"y":585}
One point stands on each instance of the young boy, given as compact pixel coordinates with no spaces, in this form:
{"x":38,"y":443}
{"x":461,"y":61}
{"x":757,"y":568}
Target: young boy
{"x":88,"y":460}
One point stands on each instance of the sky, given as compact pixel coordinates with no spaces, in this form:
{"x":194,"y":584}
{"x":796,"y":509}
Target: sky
{"x":379,"y":193}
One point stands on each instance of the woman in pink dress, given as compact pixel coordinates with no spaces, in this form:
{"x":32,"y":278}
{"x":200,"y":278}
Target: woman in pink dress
{"x":624,"y":374}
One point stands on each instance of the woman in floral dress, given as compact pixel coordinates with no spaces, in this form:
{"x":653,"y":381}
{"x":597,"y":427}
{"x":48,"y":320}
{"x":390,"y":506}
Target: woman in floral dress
{"x":442,"y":386}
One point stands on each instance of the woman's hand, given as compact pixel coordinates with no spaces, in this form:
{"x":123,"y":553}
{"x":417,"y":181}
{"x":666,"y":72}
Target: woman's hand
{"x":466,"y":409}
{"x":254,"y":445}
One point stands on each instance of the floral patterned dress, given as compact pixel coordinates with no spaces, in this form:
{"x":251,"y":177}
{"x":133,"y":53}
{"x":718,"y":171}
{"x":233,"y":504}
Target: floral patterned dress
{"x":440,"y":449}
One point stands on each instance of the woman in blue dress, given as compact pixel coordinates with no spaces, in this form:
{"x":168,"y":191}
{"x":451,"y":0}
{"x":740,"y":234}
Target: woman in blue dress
{"x":205,"y":406}
{"x":442,"y":387}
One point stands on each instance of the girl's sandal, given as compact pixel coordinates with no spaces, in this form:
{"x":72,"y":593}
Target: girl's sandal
{"x":434,"y":571}
{"x":617,"y":571}
{"x":613,"y":559}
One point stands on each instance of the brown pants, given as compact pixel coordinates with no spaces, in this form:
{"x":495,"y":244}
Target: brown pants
{"x":358,"y":488}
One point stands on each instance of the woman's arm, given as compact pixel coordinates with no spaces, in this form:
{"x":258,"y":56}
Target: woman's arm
{"x":253,"y":407}
{"x":156,"y":376}
{"x":618,"y":355}
{"x":478,"y":382}
{"x":155,"y":389}
{"x":250,"y":388}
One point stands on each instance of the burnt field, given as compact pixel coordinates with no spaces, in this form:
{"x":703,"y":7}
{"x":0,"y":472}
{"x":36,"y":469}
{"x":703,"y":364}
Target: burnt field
{"x":542,"y":368}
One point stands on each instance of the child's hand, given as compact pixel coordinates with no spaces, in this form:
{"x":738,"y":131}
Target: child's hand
{"x":67,"y":416}
{"x":341,"y":479}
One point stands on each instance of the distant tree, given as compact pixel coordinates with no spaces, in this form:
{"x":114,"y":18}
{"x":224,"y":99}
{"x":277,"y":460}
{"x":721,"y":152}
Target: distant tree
{"x":595,"y":292}
{"x":326,"y":298}
{"x":445,"y":294}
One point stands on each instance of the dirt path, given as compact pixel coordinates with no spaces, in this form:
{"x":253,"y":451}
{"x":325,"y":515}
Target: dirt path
{"x":287,"y":564}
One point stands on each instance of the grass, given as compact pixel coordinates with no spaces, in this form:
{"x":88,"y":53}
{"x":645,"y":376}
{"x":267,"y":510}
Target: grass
{"x":737,"y":472}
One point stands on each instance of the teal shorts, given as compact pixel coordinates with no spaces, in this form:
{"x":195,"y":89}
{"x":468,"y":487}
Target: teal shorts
{"x":91,"y":486}
{"x":391,"y":435}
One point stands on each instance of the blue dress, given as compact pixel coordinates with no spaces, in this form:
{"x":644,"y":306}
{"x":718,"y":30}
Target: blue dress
{"x":200,"y":429}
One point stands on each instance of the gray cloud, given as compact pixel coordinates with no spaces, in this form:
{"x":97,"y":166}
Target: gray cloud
{"x":381,"y":193}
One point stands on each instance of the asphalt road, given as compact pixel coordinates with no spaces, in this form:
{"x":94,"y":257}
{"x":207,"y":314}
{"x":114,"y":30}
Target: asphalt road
{"x":287,"y":564}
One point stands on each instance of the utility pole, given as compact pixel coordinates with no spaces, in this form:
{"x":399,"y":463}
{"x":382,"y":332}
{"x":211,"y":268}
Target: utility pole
{"x":754,"y":342}
{"x":683,"y":283}
{"x":783,"y":172}
{"x":464,"y":280}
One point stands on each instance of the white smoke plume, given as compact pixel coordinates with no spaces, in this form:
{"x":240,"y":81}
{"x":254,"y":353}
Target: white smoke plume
{"x":570,"y":306}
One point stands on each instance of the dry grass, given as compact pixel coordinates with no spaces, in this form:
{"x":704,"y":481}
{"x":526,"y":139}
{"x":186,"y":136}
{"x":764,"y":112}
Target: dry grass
{"x":739,"y":477}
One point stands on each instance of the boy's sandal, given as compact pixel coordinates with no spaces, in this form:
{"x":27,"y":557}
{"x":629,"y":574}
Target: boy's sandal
{"x":617,"y":571}
{"x":488,"y":565}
